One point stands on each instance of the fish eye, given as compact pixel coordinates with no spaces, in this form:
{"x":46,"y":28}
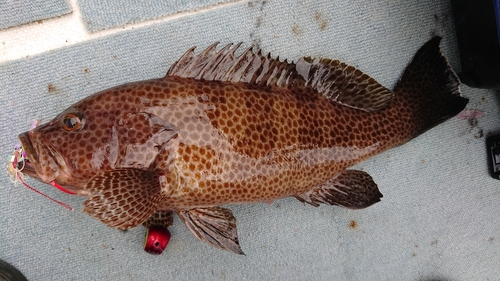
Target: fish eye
{"x":72,"y":121}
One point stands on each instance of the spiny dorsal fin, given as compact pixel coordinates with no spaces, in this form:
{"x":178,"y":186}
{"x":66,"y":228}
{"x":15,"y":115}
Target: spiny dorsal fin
{"x":338,"y":81}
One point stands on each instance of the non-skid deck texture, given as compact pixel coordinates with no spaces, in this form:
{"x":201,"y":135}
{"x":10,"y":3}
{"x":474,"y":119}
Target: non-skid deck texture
{"x":98,"y":15}
{"x":15,"y":12}
{"x":438,"y":219}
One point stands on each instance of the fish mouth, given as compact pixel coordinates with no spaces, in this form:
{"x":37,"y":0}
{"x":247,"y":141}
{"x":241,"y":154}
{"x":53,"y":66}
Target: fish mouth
{"x":28,"y":165}
{"x":44,"y":163}
{"x":41,"y":161}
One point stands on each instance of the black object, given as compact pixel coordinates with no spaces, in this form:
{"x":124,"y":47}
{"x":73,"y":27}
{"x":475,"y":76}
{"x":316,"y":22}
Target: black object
{"x":493,"y":149}
{"x":10,"y":273}
{"x":477,"y":24}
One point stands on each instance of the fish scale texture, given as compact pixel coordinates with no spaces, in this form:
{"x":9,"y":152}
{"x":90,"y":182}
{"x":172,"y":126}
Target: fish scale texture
{"x":438,"y":219}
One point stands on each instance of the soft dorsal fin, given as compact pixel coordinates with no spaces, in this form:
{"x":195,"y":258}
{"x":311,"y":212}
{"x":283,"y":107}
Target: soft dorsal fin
{"x":338,"y":81}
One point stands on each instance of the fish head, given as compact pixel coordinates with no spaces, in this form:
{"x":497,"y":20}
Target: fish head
{"x":101,"y":133}
{"x":62,"y":149}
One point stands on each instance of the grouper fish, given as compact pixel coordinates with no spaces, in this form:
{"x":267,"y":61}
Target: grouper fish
{"x":222,"y":128}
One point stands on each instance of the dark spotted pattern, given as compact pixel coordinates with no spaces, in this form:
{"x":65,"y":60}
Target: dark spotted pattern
{"x":240,"y":144}
{"x":164,"y":219}
{"x":217,"y":142}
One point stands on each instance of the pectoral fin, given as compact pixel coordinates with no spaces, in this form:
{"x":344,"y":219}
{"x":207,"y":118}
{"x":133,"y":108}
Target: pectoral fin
{"x":215,"y":225}
{"x":123,"y":198}
{"x":350,"y":188}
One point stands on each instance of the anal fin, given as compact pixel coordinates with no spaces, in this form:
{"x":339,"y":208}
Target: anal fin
{"x":350,"y":188}
{"x":214,"y":225}
{"x":123,"y":198}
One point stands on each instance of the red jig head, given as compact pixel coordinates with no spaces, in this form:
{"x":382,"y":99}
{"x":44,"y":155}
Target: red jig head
{"x":156,"y":239}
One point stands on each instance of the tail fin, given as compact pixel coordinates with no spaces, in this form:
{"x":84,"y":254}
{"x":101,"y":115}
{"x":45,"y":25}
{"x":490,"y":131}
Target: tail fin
{"x":430,"y":87}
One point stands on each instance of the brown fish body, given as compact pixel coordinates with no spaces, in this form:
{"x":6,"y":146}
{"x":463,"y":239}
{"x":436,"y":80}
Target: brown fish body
{"x":220,"y":129}
{"x":240,"y":144}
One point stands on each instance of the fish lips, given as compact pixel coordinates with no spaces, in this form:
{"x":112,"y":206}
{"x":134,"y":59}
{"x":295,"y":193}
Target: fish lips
{"x":28,"y":165}
{"x":42,"y":163}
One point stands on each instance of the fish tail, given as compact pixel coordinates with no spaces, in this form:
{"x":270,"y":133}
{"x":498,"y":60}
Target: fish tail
{"x":428,"y":91}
